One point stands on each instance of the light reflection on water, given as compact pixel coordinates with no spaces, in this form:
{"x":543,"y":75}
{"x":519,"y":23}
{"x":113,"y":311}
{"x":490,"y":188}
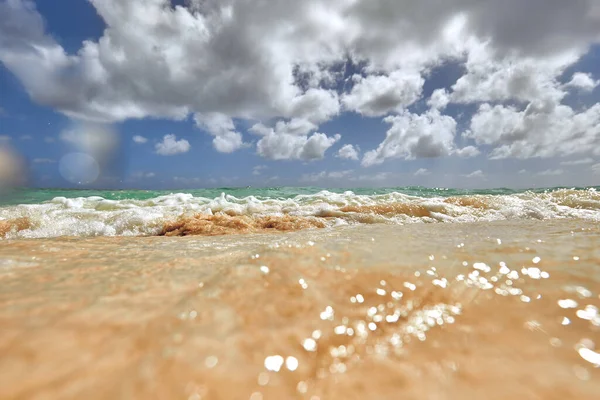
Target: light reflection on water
{"x":385,"y":311}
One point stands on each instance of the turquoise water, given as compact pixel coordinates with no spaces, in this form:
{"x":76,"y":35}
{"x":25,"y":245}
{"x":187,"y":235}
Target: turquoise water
{"x":36,"y":196}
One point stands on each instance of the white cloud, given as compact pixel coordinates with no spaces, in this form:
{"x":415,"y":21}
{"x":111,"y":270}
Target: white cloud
{"x":315,"y":105}
{"x":542,"y":129}
{"x":422,"y":172}
{"x":475,"y":175}
{"x":26,"y":137}
{"x":139,"y":139}
{"x":583,"y":82}
{"x":257,"y":170}
{"x":171,"y":146}
{"x":5,"y":138}
{"x":489,"y":79}
{"x":467,"y":152}
{"x":348,"y":152}
{"x":234,"y":57}
{"x":290,"y":147}
{"x":415,"y":136}
{"x":284,"y":60}
{"x":581,"y":161}
{"x":155,"y":60}
{"x":297,"y":126}
{"x":551,"y":172}
{"x":439,"y":99}
{"x":378,"y":95}
{"x":49,"y":139}
{"x":226,"y":140}
{"x":290,"y":140}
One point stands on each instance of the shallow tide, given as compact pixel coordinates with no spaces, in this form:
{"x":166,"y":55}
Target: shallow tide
{"x":420,"y":311}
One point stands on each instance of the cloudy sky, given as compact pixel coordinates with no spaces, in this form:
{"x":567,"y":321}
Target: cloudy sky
{"x":193,"y":93}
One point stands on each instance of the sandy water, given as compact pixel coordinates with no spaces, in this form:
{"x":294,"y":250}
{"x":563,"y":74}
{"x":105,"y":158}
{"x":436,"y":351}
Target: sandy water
{"x":421,"y":311}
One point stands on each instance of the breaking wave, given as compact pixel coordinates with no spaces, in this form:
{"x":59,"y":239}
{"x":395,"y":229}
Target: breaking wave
{"x":184,"y":214}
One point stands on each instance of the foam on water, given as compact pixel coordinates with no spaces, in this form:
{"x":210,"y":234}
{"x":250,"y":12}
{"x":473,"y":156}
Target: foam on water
{"x":100,"y":216}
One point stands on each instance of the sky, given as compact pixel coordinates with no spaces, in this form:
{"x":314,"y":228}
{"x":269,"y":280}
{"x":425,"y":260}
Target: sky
{"x":160,"y":94}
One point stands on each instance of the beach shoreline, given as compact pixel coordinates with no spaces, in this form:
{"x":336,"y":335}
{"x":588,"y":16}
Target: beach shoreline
{"x":262,"y":314}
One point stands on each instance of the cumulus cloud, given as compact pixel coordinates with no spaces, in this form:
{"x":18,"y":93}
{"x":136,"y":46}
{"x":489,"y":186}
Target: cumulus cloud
{"x":422,"y":172}
{"x":139,"y":139}
{"x":415,"y":136}
{"x":542,"y":129}
{"x":467,"y":152}
{"x":439,"y":99}
{"x":226,"y":140}
{"x":348,"y":152}
{"x":302,"y":63}
{"x":378,"y":95}
{"x":583,"y":82}
{"x":523,"y":79}
{"x":290,"y":147}
{"x":171,"y":146}
{"x":158,"y":60}
{"x":296,"y":126}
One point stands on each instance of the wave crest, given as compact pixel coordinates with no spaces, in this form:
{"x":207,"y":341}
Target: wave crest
{"x":184,"y":214}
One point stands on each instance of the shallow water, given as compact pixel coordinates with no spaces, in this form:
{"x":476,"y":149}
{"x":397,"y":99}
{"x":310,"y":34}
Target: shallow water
{"x":420,"y":311}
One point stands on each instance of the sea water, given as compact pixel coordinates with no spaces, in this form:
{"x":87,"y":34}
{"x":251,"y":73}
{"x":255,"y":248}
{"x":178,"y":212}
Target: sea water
{"x":300,"y":293}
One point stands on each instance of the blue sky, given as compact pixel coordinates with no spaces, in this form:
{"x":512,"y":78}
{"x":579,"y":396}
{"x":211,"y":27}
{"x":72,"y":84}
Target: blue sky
{"x":466,"y":101}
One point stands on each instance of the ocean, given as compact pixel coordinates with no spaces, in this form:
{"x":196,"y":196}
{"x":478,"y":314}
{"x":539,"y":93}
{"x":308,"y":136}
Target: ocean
{"x":44,"y":213}
{"x":308,"y":293}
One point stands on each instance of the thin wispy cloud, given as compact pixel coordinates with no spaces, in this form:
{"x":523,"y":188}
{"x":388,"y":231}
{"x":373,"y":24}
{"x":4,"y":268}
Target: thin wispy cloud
{"x":139,"y":139}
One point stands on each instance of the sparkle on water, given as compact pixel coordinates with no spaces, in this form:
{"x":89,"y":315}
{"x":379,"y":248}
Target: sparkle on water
{"x":348,"y":316}
{"x":400,"y":321}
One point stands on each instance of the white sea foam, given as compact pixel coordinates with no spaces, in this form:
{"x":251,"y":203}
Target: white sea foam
{"x":96,"y":216}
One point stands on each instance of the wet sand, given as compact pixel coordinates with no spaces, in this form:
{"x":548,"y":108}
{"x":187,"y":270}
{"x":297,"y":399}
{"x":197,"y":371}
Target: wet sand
{"x":425,"y":311}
